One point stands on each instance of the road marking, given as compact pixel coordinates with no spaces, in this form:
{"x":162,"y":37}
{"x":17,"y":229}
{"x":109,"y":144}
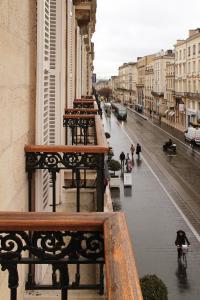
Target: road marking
{"x":167,"y":193}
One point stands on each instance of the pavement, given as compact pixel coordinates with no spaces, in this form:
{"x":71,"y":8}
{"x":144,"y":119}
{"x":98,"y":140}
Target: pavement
{"x":158,"y":204}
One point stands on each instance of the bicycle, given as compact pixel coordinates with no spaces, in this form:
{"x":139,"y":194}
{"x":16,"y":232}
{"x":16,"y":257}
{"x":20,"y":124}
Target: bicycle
{"x":182,"y":254}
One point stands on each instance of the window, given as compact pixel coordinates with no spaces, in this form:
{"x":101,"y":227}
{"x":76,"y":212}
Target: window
{"x":180,"y":55}
{"x":199,"y":106}
{"x":194,"y":86}
{"x":188,"y":51}
{"x":194,"y":67}
{"x":189,"y":86}
{"x":184,"y":53}
{"x":194,"y":49}
{"x":199,"y":48}
{"x":193,"y":104}
{"x":189,"y":67}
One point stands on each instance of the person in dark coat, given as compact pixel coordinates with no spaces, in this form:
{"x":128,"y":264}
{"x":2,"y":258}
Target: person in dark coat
{"x":122,"y":159}
{"x":138,"y":150}
{"x":181,"y":239}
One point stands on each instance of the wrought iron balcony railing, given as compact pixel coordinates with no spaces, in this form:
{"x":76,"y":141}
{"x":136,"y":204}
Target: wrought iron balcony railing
{"x":61,"y":239}
{"x":193,"y":96}
{"x":84,"y":129}
{"x":78,"y":159}
{"x":82,"y":103}
{"x":179,"y":94}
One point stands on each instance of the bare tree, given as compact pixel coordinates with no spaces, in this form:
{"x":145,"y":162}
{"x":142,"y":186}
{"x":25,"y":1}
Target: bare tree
{"x":105,"y":92}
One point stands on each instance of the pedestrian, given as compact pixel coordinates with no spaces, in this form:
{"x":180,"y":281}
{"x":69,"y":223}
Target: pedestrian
{"x":132,"y":149}
{"x":138,"y":150}
{"x":129,"y":165}
{"x":122,"y":159}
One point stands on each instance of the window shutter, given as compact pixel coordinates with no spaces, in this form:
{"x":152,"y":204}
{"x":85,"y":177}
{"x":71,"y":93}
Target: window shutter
{"x":69,"y":54}
{"x":43,"y":92}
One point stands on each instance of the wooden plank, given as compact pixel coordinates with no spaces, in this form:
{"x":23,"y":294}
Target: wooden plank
{"x":121,"y":273}
{"x":15,"y":221}
{"x":100,"y":134}
{"x":84,"y":110}
{"x":66,"y":149}
{"x":79,"y":116}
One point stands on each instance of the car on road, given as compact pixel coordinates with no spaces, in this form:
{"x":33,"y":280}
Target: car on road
{"x":193,"y":134}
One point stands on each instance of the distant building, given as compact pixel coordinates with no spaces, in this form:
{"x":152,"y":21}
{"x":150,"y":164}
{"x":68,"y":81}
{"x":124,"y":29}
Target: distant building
{"x":126,"y":90}
{"x":187,"y":79}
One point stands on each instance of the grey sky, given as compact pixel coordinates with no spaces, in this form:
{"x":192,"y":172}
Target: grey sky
{"x":127,"y":29}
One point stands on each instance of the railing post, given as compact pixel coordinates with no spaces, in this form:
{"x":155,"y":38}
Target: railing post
{"x":78,"y":178}
{"x":101,"y":279}
{"x":100,"y":183}
{"x":13,"y":278}
{"x":53,"y":177}
{"x":30,"y":176}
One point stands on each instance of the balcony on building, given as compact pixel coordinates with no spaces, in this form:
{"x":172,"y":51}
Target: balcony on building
{"x":68,"y":243}
{"x":179,"y":94}
{"x":80,"y":162}
{"x":193,"y":96}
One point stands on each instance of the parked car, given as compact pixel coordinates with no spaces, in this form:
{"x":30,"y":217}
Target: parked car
{"x":193,"y":134}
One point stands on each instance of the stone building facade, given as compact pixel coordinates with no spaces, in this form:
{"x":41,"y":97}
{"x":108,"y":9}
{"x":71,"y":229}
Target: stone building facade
{"x":127,"y":76}
{"x":187,"y":82}
{"x":46,"y":60}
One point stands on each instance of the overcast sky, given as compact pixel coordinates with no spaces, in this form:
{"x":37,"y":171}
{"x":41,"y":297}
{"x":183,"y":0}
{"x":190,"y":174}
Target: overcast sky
{"x":127,"y":29}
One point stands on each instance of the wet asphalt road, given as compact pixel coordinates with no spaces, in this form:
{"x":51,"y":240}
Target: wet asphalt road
{"x":164,"y":197}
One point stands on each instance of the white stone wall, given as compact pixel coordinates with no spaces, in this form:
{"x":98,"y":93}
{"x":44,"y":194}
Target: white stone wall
{"x":17,"y":105}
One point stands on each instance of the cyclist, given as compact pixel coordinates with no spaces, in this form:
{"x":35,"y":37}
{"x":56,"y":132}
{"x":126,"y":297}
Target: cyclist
{"x":181,"y":239}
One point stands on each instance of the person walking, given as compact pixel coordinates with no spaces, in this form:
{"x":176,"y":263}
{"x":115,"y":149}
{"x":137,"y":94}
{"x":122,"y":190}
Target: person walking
{"x":138,"y":150}
{"x":122,"y":159}
{"x":132,"y":149}
{"x":129,"y":165}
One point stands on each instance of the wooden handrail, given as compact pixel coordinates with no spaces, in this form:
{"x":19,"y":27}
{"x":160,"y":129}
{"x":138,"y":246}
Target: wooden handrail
{"x":122,"y":281}
{"x":66,"y":149}
{"x":121,"y":273}
{"x":101,"y":138}
{"x":84,"y":110}
{"x":78,"y":116}
{"x":84,"y":101}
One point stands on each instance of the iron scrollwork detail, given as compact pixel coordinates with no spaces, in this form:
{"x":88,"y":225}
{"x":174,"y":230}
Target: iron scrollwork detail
{"x":51,"y":245}
{"x":79,"y":123}
{"x":56,"y":161}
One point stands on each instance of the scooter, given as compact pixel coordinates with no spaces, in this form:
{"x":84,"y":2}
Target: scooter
{"x":171,"y":148}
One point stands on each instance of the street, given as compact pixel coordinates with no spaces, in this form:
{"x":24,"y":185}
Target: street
{"x":163,"y":199}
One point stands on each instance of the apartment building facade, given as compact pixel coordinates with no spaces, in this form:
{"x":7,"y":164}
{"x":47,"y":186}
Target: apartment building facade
{"x":187,"y":83}
{"x":142,"y":63}
{"x":148,"y":88}
{"x":46,"y":48}
{"x":127,"y":76}
{"x":161,"y":60}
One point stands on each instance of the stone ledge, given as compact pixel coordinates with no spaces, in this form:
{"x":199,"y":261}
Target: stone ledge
{"x":55,"y":295}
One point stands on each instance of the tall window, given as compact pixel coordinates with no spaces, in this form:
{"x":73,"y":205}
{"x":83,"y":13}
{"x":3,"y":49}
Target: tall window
{"x":194,"y":49}
{"x":180,"y":55}
{"x":184,"y":53}
{"x":194,"y":67}
{"x":189,"y":67}
{"x":188,"y":51}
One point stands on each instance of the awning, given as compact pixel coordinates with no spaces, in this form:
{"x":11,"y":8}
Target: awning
{"x":166,"y":111}
{"x":171,"y":113}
